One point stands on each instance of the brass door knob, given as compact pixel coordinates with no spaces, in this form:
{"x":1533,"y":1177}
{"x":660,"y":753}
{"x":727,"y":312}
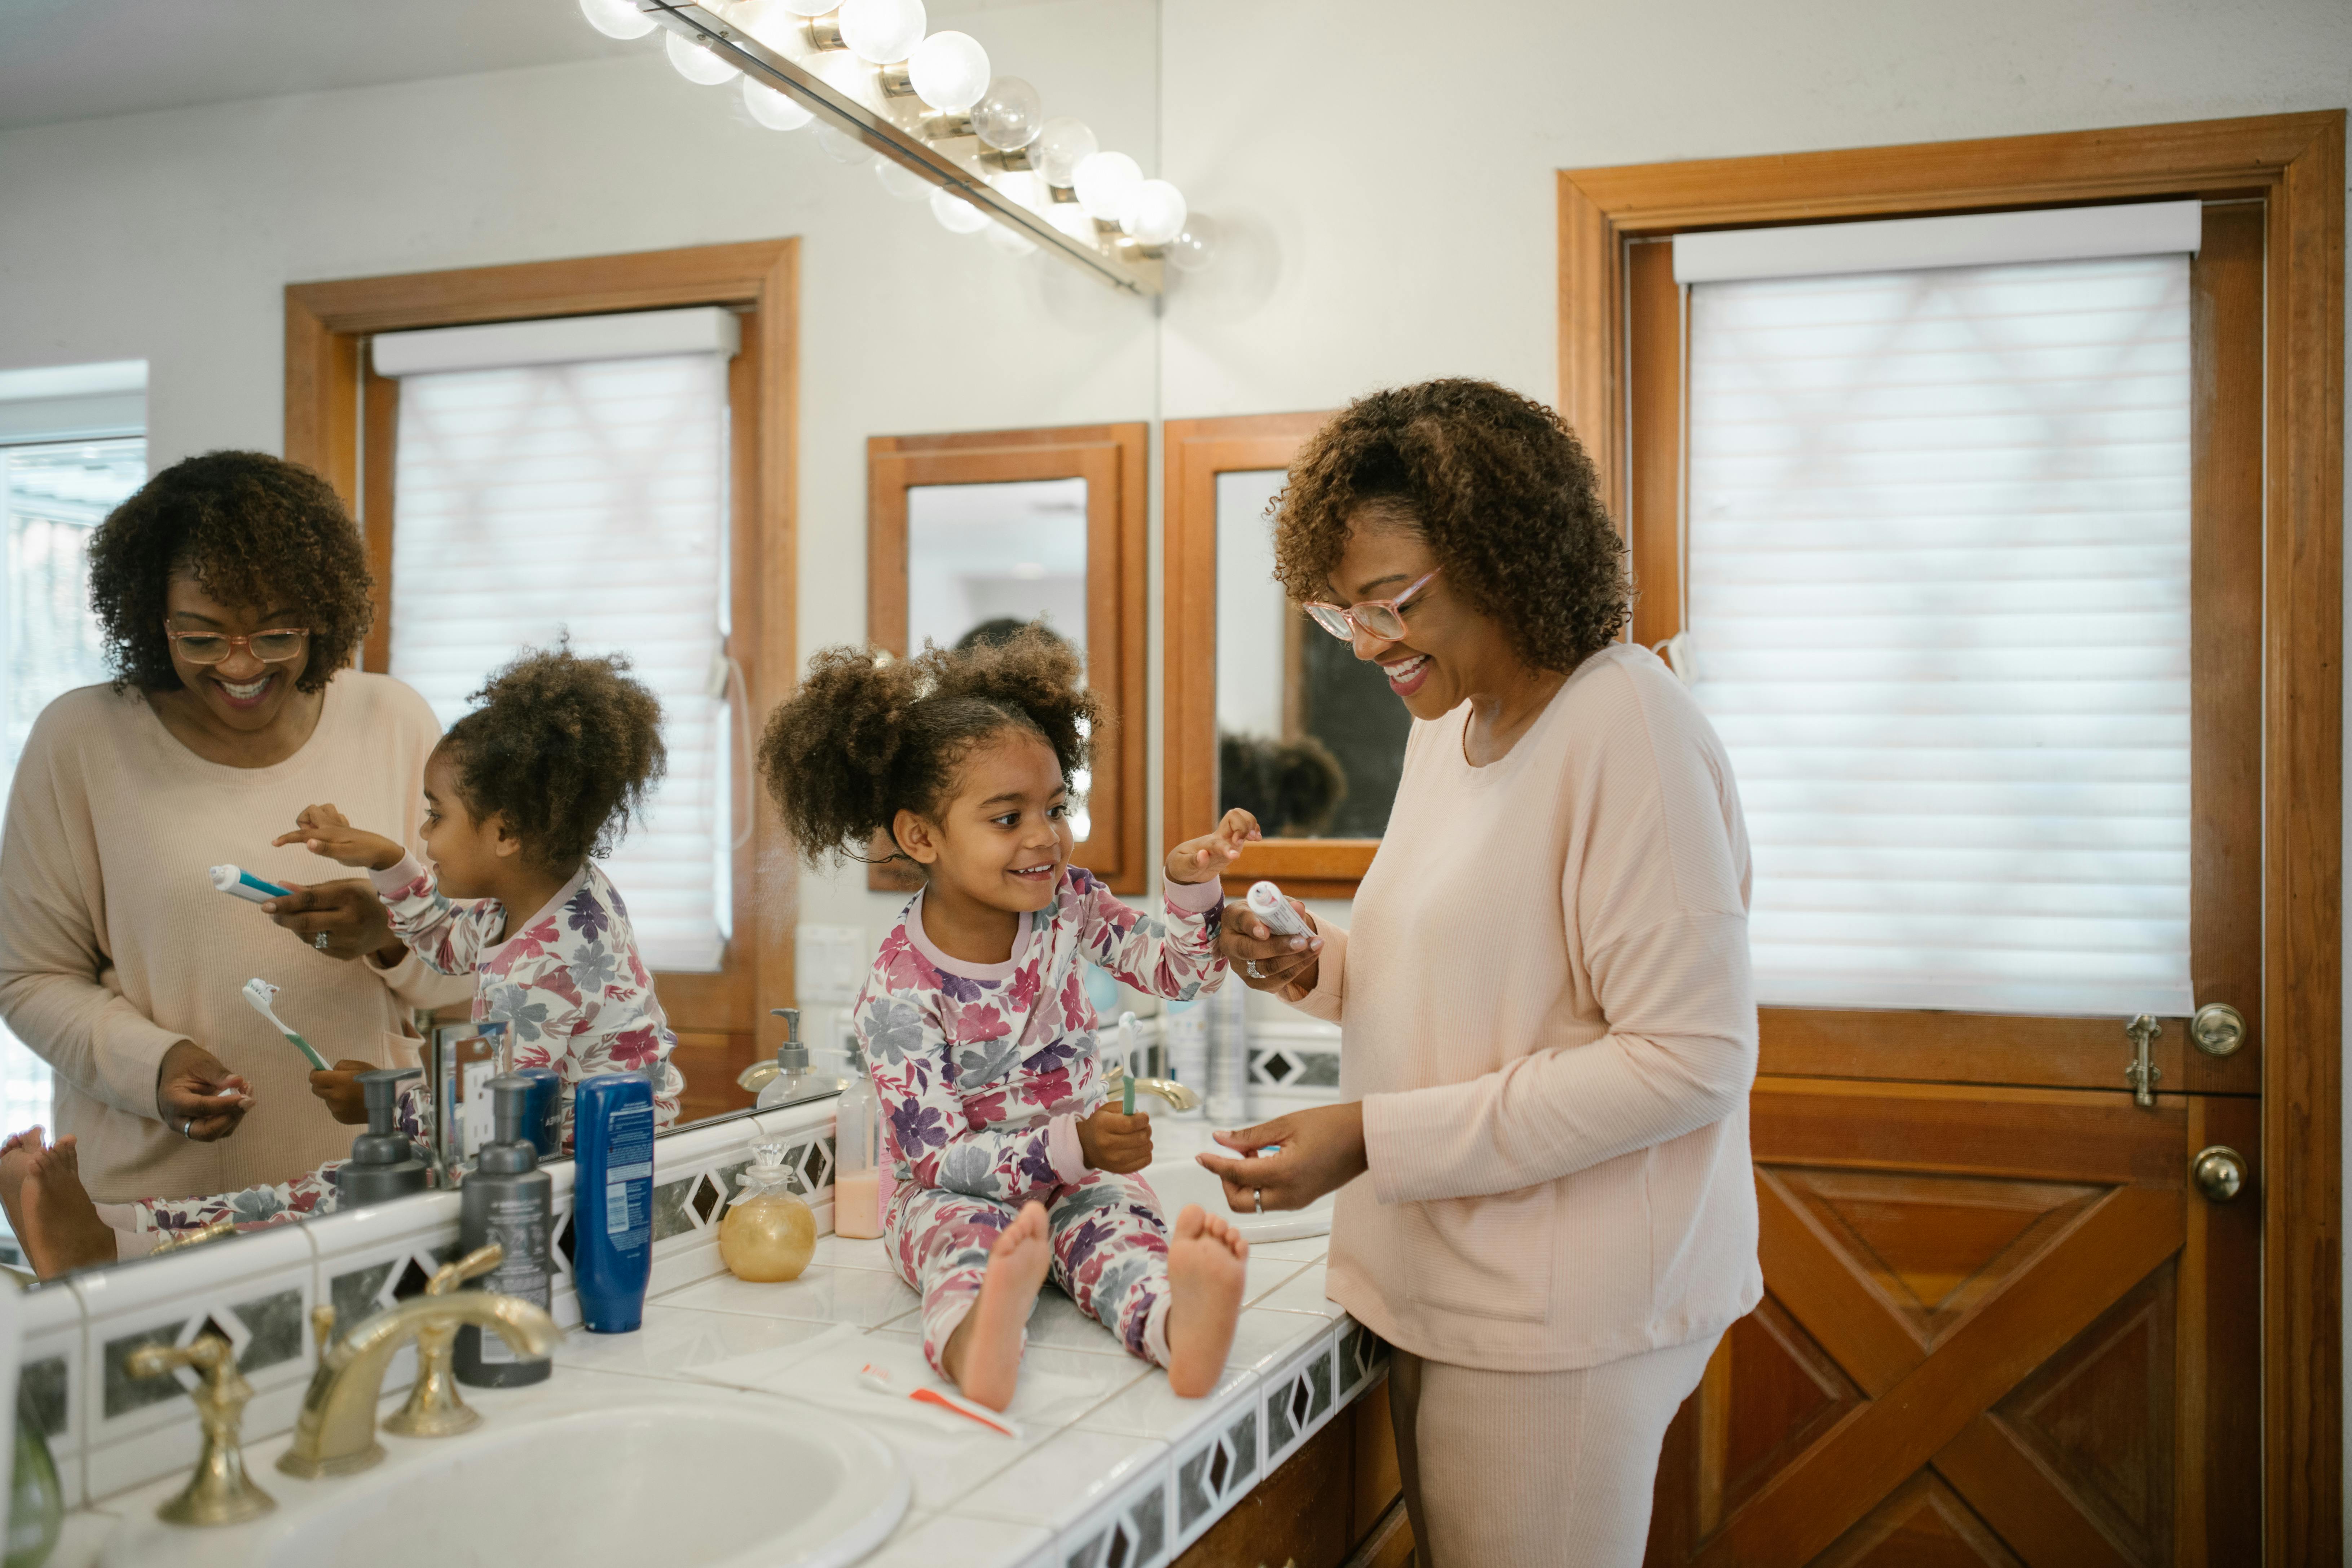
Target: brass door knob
{"x":2220,"y":1173}
{"x":2219,"y":1029}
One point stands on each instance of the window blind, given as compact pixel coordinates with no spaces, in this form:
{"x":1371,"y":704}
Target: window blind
{"x":586,"y":496}
{"x":1938,"y":541}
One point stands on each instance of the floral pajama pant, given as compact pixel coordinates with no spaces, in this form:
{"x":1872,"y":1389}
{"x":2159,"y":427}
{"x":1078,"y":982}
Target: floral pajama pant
{"x":1110,"y":1254}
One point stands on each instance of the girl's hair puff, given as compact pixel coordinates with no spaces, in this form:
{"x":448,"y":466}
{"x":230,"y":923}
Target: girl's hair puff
{"x":565,"y":748}
{"x":867,"y":736}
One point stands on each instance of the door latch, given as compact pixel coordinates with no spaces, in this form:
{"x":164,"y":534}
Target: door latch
{"x":2143,"y":1072}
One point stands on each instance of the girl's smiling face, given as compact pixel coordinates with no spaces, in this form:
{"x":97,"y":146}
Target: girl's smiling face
{"x":1004,"y":840}
{"x":470,"y":858}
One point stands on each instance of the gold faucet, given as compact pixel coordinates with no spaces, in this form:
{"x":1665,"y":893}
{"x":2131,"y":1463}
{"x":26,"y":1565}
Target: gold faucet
{"x":1178,"y":1098}
{"x":219,"y":1492}
{"x":335,"y":1434}
{"x":180,"y":1238}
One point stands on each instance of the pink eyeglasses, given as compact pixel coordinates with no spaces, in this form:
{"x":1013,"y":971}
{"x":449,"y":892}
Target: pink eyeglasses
{"x":1381,"y":618}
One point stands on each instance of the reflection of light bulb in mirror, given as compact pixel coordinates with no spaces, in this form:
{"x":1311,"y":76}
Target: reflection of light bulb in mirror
{"x":1023,"y":186}
{"x":810,"y":7}
{"x":1011,"y":241}
{"x":769,"y":21}
{"x":1194,"y":248}
{"x":1105,"y":184}
{"x":901,"y":181}
{"x":1072,"y":220}
{"x":772,"y":109}
{"x":1008,"y":113}
{"x":882,"y":31}
{"x":1156,"y":214}
{"x":697,"y":64}
{"x":956,"y":215}
{"x":1063,"y":144}
{"x":842,"y":147}
{"x":948,"y":71}
{"x":616,"y":18}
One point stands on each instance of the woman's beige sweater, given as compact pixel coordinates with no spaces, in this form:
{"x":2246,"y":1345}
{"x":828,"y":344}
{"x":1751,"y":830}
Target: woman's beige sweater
{"x":1546,"y":1012}
{"x":114,"y":944}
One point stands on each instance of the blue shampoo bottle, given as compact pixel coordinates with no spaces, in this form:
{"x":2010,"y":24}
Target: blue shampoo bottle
{"x":613,"y":1195}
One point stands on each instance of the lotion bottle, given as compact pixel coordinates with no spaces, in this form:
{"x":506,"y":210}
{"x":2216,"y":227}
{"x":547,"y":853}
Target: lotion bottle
{"x":859,"y":1171}
{"x":613,"y":1187}
{"x":509,"y":1200}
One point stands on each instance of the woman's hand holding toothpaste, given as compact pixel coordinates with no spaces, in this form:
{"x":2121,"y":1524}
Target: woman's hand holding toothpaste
{"x":323,"y":830}
{"x":1204,"y":858}
{"x":197,"y":1096}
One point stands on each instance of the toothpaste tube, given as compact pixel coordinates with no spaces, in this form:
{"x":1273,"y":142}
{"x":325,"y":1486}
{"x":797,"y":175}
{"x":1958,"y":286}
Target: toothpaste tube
{"x":1266,"y":902}
{"x":244,"y":885}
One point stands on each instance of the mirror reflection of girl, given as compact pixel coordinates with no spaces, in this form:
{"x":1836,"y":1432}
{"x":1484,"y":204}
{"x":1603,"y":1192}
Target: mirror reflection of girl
{"x":521,"y":797}
{"x":1012,"y":1159}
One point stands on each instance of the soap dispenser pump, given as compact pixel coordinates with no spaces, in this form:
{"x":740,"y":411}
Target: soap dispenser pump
{"x":508,"y":1199}
{"x":384,"y":1162}
{"x":792,"y":1063}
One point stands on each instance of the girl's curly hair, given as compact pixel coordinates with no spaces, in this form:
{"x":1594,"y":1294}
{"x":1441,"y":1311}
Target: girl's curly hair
{"x":1498,"y":485}
{"x":258,"y":533}
{"x":567,"y":748}
{"x":867,"y":736}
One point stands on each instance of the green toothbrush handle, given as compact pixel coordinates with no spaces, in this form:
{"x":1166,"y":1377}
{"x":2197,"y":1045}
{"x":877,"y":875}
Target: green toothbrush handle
{"x":303,"y":1045}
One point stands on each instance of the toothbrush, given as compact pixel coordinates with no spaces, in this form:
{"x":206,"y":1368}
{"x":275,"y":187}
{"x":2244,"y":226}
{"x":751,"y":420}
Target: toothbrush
{"x":261,"y":993}
{"x":238,"y":884}
{"x":1126,"y":1060}
{"x":878,"y":1379}
{"x":1266,"y":902}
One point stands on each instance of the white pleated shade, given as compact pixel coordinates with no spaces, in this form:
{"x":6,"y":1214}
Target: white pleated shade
{"x":587,"y":498}
{"x":1938,"y":606}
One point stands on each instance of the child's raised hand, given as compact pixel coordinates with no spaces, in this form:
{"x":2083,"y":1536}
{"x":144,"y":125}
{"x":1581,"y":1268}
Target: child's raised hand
{"x":1203,"y":860}
{"x":1113,"y":1142}
{"x":323,"y":830}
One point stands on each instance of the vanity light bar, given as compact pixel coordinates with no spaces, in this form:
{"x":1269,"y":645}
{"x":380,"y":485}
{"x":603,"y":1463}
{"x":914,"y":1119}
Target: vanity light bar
{"x":857,"y":105}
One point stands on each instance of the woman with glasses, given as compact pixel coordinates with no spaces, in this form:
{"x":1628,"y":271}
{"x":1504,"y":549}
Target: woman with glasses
{"x":1549,"y":1029}
{"x":232,"y":592}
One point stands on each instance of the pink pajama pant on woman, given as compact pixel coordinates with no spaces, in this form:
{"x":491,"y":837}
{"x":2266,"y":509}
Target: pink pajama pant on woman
{"x":1110,"y":1254}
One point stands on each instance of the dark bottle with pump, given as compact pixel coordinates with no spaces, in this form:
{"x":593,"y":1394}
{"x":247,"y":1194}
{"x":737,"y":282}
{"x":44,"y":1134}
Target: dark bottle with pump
{"x":508,"y":1199}
{"x":384,"y":1162}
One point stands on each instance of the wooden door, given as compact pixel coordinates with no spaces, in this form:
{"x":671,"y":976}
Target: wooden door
{"x":2002,"y":1325}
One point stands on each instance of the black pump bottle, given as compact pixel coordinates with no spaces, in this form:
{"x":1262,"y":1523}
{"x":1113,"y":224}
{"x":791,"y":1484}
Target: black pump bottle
{"x":383,"y":1163}
{"x":508,"y":1199}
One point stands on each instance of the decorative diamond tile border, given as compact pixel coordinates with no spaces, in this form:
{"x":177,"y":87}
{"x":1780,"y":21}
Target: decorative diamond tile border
{"x":1294,"y":1067}
{"x":1363,"y":1359}
{"x":1216,"y":1473}
{"x":1299,"y":1401}
{"x":1133,"y":1532}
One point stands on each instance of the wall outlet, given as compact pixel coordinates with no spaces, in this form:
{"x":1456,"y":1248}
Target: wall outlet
{"x":831,"y":962}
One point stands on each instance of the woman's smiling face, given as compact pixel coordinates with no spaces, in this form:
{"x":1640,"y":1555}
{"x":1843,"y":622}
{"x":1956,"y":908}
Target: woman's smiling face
{"x":1449,"y":652}
{"x":241,"y":692}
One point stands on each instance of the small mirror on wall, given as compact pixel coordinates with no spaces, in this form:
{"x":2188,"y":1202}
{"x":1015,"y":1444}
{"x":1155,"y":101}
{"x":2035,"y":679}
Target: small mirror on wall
{"x":1265,"y":711}
{"x":974,"y":536}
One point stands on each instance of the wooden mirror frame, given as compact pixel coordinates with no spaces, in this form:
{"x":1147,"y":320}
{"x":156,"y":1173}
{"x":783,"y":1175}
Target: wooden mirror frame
{"x":1112,"y":459}
{"x":1194,"y":452}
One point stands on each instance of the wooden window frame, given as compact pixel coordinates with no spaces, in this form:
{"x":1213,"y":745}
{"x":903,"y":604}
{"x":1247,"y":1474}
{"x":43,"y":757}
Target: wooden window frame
{"x":1112,"y":459}
{"x":342,"y":420}
{"x":2294,"y":163}
{"x":1194,"y":452}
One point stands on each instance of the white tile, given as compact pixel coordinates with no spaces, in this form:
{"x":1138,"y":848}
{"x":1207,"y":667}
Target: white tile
{"x":1056,"y":1321}
{"x":965,"y":1540}
{"x":197,"y":1273}
{"x":841,"y":1252}
{"x":1150,"y":1409}
{"x":1263,"y":1340}
{"x":1305,"y":1249}
{"x":825,"y":1295}
{"x":1303,"y":1293}
{"x":674,"y":1340}
{"x":54,"y":1342}
{"x":1065,"y":1479}
{"x":83,"y":1539}
{"x":1058,"y":1388}
{"x":1264,"y":1276}
{"x":947,"y":1465}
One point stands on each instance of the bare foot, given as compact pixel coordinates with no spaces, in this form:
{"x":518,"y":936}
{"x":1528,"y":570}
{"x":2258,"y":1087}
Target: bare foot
{"x":983,"y":1355}
{"x":16,"y":1163}
{"x":1207,"y":1260}
{"x":61,"y":1230}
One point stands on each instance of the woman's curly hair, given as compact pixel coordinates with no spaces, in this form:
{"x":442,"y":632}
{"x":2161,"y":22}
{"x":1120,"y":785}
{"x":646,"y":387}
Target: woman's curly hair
{"x":258,"y":533}
{"x":566,"y":748}
{"x":867,"y":736}
{"x":1498,"y":485}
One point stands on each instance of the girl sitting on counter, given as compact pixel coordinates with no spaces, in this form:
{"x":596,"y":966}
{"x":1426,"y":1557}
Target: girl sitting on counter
{"x":1010,"y":1155}
{"x":520,"y":797}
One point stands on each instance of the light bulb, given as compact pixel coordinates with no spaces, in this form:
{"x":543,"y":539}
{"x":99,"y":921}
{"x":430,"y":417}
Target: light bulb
{"x":1195,"y":247}
{"x":1010,"y":240}
{"x":618,"y":18}
{"x":882,"y":32}
{"x":810,"y":7}
{"x":1072,"y":220}
{"x":901,"y":181}
{"x":842,"y":147}
{"x":773,"y":108}
{"x":697,"y":64}
{"x":1105,"y":184}
{"x":1063,"y":144}
{"x":948,"y":71}
{"x":1155,"y":215}
{"x":956,"y":215}
{"x":1008,"y":113}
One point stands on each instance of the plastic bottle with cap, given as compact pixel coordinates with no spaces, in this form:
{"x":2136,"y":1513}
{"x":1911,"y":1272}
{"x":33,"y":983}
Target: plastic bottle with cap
{"x":508,"y":1199}
{"x":384,"y":1162}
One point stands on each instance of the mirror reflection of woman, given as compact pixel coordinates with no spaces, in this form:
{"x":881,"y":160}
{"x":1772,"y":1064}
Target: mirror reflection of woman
{"x":231,"y":592}
{"x":1549,"y":1031}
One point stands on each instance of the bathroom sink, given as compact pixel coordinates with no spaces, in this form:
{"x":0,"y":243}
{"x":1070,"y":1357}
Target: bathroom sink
{"x":730,"y":1482}
{"x":1179,"y":1181}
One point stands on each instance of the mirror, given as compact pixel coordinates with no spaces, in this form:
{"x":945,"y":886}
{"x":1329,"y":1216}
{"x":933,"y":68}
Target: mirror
{"x":852,"y":314}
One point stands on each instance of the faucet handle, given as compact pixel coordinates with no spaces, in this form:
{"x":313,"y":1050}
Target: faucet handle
{"x":209,"y":1355}
{"x":474,"y":1265}
{"x":322,"y":1328}
{"x":219,"y":1491}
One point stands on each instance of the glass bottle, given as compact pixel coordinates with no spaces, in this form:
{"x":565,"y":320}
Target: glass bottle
{"x":769,"y":1234}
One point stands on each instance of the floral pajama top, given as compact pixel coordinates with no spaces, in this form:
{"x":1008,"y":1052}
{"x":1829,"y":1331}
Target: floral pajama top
{"x":984,"y":1072}
{"x":569,"y":984}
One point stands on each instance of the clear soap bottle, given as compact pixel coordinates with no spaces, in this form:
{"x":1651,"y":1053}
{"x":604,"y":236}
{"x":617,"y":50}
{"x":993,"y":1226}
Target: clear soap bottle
{"x":769,"y":1234}
{"x":858,"y":1175}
